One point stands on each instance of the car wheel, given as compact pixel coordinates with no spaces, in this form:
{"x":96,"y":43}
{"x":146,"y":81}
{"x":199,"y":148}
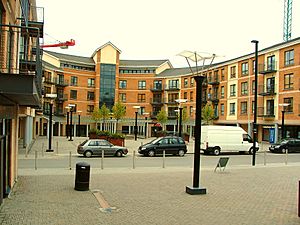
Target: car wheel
{"x":181,"y":152}
{"x":151,"y":153}
{"x":283,"y":150}
{"x":216,"y":151}
{"x":251,"y":151}
{"x":88,"y":154}
{"x":119,"y":153}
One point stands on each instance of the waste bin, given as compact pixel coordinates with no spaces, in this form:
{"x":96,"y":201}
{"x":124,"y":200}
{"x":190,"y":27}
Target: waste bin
{"x":82,"y":177}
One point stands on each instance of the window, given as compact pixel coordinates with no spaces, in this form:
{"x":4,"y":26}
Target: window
{"x":173,"y":84}
{"x":122,"y":97}
{"x":185,"y":95}
{"x":141,"y":98}
{"x":142,"y":84}
{"x":288,"y":81}
{"x":222,"y":91}
{"x":141,"y":111}
{"x":253,"y":66}
{"x":253,"y":87}
{"x":47,"y":90}
{"x":192,"y":81}
{"x":191,"y":111}
{"x":186,"y":82}
{"x":91,"y":82}
{"x":157,"y":85}
{"x":74,"y":81}
{"x":216,"y":76}
{"x":107,"y":85}
{"x":232,"y":90}
{"x":172,"y":97}
{"x":122,"y":84}
{"x":222,"y":109}
{"x":243,"y":108}
{"x":244,"y":89}
{"x":90,"y":95}
{"x":233,"y":72}
{"x":222,"y":74}
{"x":232,"y":109}
{"x":191,"y":96}
{"x":252,"y":107}
{"x":289,"y":57}
{"x":271,"y":62}
{"x":90,"y":108}
{"x":245,"y":68}
{"x":289,"y":101}
{"x":73,"y":94}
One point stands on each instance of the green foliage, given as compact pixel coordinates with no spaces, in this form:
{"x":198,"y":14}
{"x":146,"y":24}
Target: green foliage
{"x":105,"y":133}
{"x":162,"y":117}
{"x":208,"y":113}
{"x":185,"y":116}
{"x":119,"y":111}
{"x":104,"y":112}
{"x":96,"y":115}
{"x":116,"y":135}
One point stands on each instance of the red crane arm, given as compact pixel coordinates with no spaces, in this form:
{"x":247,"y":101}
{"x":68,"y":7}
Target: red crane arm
{"x":61,"y":44}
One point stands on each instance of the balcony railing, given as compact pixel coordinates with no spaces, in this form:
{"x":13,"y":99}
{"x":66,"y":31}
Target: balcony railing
{"x":266,"y":90}
{"x":20,"y":64}
{"x":266,"y":68}
{"x":213,"y":97}
{"x":172,"y":88}
{"x":156,"y":88}
{"x":62,"y":83}
{"x":157,"y":101}
{"x":213,"y":80}
{"x":266,"y":112}
{"x":62,"y":97}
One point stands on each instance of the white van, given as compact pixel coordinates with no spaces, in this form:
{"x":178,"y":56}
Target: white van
{"x":216,"y":139}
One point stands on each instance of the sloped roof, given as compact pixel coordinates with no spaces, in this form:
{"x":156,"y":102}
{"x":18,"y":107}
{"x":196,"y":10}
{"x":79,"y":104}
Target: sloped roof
{"x":50,"y":66}
{"x":103,"y":46}
{"x":72,"y":58}
{"x":143,"y":63}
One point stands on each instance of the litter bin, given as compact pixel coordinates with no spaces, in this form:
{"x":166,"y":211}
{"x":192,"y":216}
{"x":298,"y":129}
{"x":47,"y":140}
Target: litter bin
{"x":82,"y":177}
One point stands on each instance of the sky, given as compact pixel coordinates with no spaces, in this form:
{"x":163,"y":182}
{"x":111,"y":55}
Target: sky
{"x":160,"y":29}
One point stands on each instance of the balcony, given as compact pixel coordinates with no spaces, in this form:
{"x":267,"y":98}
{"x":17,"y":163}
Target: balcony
{"x":266,"y":90}
{"x":21,"y":66}
{"x":213,"y":97}
{"x":156,"y":88}
{"x":35,"y":26}
{"x":172,"y":88}
{"x":268,"y":112}
{"x":156,"y":101}
{"x":266,"y":68}
{"x":62,"y":97}
{"x":153,"y":115}
{"x":172,"y":115}
{"x":62,"y":83}
{"x":50,"y":80}
{"x":213,"y":80}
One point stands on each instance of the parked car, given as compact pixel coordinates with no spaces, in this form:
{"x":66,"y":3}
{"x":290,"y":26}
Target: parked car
{"x":290,"y":145}
{"x":171,"y":144}
{"x":92,"y":147}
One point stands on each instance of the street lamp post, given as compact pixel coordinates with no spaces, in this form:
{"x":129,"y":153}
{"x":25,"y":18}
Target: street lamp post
{"x":135,"y":124}
{"x":282,"y":119}
{"x":194,"y":56}
{"x":50,"y":121}
{"x":79,"y":132}
{"x":71,"y":121}
{"x":67,"y":127}
{"x":146,"y":129}
{"x":255,"y":102}
{"x":180,"y":114}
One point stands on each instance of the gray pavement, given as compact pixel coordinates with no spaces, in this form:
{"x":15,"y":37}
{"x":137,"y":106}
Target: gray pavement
{"x":239,"y":195}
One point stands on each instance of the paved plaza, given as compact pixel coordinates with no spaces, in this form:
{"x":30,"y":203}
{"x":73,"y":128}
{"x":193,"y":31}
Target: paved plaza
{"x":240,"y":195}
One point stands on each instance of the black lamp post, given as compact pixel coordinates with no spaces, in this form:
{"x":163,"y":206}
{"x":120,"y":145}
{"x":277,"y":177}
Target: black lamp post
{"x":79,"y":132}
{"x":282,"y":125}
{"x":146,"y":124}
{"x":67,"y":127}
{"x":255,"y":102}
{"x":71,"y":121}
{"x":135,"y":124}
{"x":196,"y":189}
{"x":50,"y":129}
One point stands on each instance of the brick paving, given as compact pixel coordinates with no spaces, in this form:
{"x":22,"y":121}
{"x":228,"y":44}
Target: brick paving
{"x":239,"y":196}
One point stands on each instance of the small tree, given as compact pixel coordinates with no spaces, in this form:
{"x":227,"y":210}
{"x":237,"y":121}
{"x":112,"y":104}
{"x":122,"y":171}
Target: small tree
{"x":208,"y":114}
{"x":104,"y":113}
{"x":119,"y":111}
{"x":162,"y":117}
{"x":185,"y":116}
{"x":96,"y":116}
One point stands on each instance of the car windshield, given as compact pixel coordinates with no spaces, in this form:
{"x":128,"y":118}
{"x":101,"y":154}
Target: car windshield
{"x":285,"y":142}
{"x":155,"y":140}
{"x":83,"y":143}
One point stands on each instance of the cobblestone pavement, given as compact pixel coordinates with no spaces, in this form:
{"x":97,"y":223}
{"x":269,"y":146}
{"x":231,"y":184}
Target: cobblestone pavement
{"x":240,"y":195}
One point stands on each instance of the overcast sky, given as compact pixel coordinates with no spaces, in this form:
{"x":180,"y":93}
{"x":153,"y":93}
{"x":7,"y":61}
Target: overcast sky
{"x":160,"y":29}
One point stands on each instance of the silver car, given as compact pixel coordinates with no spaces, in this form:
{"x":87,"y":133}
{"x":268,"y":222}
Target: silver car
{"x":95,"y":147}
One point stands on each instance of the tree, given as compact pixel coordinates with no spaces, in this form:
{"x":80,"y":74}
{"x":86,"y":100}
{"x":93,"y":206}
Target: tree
{"x":208,"y":114}
{"x":119,"y":111}
{"x":162,"y":117}
{"x":96,"y":116}
{"x":104,"y":113}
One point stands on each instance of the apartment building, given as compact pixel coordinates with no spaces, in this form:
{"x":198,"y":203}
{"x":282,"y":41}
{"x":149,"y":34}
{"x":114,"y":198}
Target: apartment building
{"x":21,"y":29}
{"x":154,"y":85}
